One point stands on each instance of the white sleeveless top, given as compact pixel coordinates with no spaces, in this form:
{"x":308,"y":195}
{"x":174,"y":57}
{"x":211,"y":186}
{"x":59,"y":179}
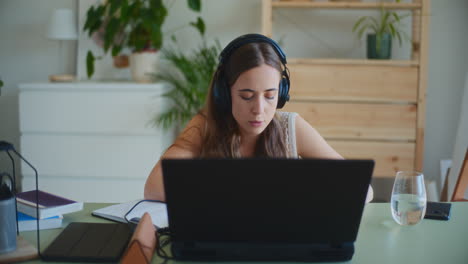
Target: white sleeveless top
{"x":288,"y":123}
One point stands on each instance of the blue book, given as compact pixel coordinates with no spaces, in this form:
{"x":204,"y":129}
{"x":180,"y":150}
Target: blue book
{"x":28,"y":223}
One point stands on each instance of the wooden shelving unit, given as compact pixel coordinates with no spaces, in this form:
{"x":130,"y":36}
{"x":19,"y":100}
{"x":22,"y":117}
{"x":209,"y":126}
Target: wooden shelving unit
{"x":403,"y":63}
{"x":344,"y":5}
{"x":364,"y":108}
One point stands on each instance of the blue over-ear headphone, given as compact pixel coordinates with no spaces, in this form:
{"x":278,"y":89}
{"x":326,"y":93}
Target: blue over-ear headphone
{"x":221,"y":90}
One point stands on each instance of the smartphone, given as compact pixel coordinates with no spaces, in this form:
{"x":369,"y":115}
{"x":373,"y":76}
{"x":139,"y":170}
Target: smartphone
{"x":438,"y":211}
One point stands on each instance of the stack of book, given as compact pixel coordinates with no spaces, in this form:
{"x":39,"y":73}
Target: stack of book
{"x":51,"y":210}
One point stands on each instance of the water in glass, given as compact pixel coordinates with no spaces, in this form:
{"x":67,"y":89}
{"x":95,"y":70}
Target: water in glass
{"x":408,"y":202}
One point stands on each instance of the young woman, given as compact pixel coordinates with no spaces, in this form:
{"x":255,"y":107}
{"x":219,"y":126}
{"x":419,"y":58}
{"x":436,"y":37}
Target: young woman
{"x":240,"y":118}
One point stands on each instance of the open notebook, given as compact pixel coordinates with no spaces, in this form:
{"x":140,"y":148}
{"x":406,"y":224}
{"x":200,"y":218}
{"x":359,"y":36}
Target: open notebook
{"x":157,"y":211}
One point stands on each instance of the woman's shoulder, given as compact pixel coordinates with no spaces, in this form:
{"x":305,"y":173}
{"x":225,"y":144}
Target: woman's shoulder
{"x":286,"y":116}
{"x":197,"y":123}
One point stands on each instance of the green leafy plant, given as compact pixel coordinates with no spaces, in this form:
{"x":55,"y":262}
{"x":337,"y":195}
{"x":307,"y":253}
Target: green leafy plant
{"x":189,"y":78}
{"x":388,"y":23}
{"x":133,"y":24}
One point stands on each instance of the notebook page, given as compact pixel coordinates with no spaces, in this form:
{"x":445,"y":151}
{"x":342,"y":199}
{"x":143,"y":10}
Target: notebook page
{"x":157,"y":211}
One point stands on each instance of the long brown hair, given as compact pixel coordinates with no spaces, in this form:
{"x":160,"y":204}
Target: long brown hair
{"x":221,"y":137}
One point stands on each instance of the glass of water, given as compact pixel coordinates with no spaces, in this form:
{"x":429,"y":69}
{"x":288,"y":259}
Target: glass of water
{"x":408,"y":198}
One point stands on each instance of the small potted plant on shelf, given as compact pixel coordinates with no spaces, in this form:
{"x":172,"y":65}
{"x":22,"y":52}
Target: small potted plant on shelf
{"x":383,"y":30}
{"x":133,"y":24}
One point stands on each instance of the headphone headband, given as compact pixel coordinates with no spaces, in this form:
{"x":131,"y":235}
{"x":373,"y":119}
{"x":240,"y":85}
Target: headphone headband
{"x":250,"y":38}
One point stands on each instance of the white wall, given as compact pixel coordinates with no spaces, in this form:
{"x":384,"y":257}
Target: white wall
{"x":461,"y":144}
{"x":448,"y":64}
{"x":26,"y":55}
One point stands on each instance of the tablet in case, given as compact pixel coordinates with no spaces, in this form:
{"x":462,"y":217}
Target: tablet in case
{"x":96,"y":242}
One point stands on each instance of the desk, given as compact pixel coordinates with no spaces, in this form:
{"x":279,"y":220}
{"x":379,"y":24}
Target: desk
{"x":380,"y":239}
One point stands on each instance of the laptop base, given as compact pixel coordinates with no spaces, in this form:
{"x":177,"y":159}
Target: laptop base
{"x":262,"y":252}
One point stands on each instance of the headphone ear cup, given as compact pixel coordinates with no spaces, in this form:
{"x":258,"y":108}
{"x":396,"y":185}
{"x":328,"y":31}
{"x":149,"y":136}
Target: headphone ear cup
{"x":283,"y":91}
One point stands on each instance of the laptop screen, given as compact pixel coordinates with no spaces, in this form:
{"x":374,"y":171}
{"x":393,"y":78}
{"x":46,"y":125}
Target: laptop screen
{"x":265,"y":200}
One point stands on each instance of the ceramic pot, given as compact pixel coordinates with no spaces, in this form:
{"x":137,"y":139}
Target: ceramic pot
{"x":143,"y":65}
{"x":379,"y":46}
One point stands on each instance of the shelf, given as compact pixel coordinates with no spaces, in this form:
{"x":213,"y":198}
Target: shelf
{"x":344,"y":5}
{"x":349,"y":100}
{"x":404,"y":63}
{"x":93,"y":86}
{"x":372,"y":140}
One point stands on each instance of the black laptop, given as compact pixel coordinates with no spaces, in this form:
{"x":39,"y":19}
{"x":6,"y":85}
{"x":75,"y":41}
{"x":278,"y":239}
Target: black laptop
{"x":265,"y":209}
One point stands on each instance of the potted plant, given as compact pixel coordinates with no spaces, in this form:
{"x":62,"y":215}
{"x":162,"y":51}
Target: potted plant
{"x":189,"y":78}
{"x":133,"y":24}
{"x":384,"y":29}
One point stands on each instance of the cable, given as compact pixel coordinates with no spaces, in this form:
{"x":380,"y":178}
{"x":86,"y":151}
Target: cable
{"x":14,"y":187}
{"x":135,"y":205}
{"x":163,"y":238}
{"x":163,"y":234}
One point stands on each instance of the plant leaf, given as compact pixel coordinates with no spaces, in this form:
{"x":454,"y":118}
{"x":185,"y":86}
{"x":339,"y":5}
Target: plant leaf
{"x":383,"y":22}
{"x":393,"y":31}
{"x":397,"y":33}
{"x":199,"y":25}
{"x":93,"y":19}
{"x":124,"y":11}
{"x":374,"y":24}
{"x":116,"y":50}
{"x":395,"y":15}
{"x":89,"y":18}
{"x":90,"y":64}
{"x":158,"y":12}
{"x":189,"y":78}
{"x":360,"y":20}
{"x":156,"y":37}
{"x":110,"y":32}
{"x":195,"y":5}
{"x":114,"y":6}
{"x":362,"y":30}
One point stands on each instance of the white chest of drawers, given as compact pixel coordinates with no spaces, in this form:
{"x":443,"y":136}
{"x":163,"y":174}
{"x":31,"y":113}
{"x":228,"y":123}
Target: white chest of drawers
{"x":92,"y":142}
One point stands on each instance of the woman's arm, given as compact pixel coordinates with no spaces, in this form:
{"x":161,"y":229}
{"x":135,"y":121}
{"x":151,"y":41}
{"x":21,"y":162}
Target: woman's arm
{"x":187,"y":145}
{"x":310,"y":144}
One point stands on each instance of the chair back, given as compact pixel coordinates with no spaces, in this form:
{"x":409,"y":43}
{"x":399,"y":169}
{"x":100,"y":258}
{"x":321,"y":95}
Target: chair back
{"x":462,"y":182}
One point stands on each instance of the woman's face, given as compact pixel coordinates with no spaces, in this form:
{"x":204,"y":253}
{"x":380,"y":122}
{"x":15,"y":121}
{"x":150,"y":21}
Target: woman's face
{"x":254,"y":99}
